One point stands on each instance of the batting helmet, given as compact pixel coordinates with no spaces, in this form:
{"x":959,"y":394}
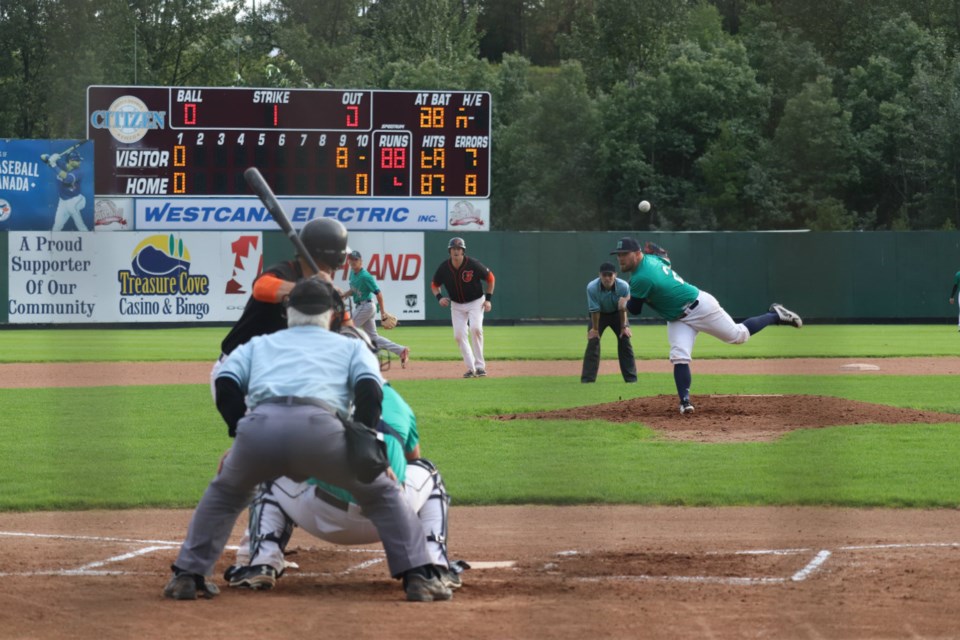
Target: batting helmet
{"x":326,"y":241}
{"x":456,"y":243}
{"x":74,"y":156}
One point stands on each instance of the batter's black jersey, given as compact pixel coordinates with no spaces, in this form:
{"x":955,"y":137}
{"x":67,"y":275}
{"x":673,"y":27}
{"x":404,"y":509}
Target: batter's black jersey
{"x":260,"y":318}
{"x":463,"y":284}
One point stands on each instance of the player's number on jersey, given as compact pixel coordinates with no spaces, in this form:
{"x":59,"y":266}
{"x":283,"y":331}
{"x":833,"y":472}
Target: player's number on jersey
{"x":673,"y":274}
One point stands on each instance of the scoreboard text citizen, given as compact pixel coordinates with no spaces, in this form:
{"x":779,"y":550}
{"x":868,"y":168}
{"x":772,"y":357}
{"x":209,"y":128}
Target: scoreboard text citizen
{"x":307,"y":142}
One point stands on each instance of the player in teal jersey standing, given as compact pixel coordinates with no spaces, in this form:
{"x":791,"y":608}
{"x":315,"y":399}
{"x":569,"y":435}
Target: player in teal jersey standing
{"x":953,"y":293}
{"x":687,"y":309}
{"x":364,"y":288}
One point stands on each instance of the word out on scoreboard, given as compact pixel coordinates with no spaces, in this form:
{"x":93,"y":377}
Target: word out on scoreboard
{"x":183,"y":141}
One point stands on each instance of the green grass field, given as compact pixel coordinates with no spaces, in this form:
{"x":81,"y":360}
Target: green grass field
{"x":121,"y":447}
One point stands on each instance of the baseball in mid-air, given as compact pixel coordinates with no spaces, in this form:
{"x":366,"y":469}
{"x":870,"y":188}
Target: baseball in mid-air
{"x":644,"y":206}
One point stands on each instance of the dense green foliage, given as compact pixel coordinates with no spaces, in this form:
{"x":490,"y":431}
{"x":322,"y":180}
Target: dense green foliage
{"x":726,"y":114}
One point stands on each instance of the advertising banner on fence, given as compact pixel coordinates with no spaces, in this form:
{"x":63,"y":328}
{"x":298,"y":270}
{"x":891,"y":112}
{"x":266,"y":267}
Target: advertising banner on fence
{"x":396,"y":261}
{"x":46,"y":184}
{"x":144,"y":277}
{"x":130,"y":277}
{"x":222,"y":214}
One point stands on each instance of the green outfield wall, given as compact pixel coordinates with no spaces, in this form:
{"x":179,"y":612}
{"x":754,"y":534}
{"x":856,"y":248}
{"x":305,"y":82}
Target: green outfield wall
{"x":836,"y":276}
{"x":844,"y":276}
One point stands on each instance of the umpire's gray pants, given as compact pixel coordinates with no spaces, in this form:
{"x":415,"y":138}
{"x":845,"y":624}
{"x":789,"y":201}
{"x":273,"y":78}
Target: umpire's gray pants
{"x":297,"y":441}
{"x":364,"y":317}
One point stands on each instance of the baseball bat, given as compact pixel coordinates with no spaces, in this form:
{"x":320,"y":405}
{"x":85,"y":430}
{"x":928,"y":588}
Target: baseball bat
{"x":258,"y":183}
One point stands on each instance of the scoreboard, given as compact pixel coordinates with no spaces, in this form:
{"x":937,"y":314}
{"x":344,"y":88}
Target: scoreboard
{"x":197,"y":141}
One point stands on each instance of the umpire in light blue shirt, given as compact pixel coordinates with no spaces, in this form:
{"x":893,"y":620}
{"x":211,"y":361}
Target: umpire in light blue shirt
{"x":280,"y":394}
{"x":603,"y":295}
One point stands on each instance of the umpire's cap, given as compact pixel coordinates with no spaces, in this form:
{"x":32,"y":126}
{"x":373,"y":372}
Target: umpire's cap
{"x":456,"y":243}
{"x":326,"y":240}
{"x":626,"y":245}
{"x":312,"y":297}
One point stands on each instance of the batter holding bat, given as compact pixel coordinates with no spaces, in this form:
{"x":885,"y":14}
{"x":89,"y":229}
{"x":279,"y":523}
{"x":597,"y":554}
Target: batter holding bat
{"x":69,"y":177}
{"x":687,"y":309}
{"x":325,"y":241}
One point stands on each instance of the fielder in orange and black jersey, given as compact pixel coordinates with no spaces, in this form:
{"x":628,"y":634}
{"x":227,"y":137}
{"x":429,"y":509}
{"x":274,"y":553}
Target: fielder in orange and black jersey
{"x":463,"y":284}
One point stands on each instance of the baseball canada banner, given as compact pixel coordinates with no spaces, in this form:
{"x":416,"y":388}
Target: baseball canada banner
{"x":396,"y":261}
{"x":130,"y":277}
{"x":46,"y":184}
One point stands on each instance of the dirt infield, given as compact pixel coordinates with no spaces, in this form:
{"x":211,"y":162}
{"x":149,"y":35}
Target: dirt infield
{"x":539,"y":572}
{"x":578,"y":572}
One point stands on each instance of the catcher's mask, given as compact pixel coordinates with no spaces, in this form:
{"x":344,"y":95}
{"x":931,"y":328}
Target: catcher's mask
{"x":457,"y":243}
{"x":326,"y":241}
{"x":382,"y":354}
{"x":313,"y":296}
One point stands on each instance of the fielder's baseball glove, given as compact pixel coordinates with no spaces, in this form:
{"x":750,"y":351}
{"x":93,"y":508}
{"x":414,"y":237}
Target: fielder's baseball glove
{"x":388,"y":320}
{"x":652,"y":248}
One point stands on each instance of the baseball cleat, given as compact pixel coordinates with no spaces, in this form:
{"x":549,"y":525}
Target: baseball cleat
{"x":258,"y":576}
{"x":470,"y":374}
{"x":450,"y":578}
{"x":186,"y":586}
{"x":481,"y":373}
{"x":685,"y":406}
{"x":419,"y":588}
{"x":786,"y":316}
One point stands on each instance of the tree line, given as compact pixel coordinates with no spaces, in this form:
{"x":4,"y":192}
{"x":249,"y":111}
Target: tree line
{"x":726,"y":114}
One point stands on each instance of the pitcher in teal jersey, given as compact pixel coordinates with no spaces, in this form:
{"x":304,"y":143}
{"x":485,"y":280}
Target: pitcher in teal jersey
{"x":687,"y":309}
{"x":953,"y":293}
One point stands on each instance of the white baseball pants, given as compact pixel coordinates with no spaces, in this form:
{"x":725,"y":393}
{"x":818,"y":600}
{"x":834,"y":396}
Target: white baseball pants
{"x":708,"y":317}
{"x":470,"y":314}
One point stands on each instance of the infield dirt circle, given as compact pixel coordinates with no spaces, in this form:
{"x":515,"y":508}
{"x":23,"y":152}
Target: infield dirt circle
{"x":539,"y":572}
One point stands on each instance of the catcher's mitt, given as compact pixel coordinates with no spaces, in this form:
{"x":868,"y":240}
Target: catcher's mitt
{"x":388,"y":320}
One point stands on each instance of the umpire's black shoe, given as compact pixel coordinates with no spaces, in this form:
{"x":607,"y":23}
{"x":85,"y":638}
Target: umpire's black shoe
{"x":423,"y":584}
{"x":450,"y":578}
{"x":185,"y":585}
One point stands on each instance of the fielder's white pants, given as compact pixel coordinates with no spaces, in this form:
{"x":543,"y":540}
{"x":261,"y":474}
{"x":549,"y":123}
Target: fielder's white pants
{"x":70,"y":208}
{"x":298,"y":500}
{"x":365,"y":317}
{"x":464,"y":314}
{"x":708,"y":317}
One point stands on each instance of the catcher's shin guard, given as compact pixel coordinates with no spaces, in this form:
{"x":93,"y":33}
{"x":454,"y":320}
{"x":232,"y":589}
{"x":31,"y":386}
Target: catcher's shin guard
{"x":268,"y":523}
{"x":438,"y":493}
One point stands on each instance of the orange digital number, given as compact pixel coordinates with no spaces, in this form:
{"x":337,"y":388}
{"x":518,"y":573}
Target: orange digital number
{"x":342,"y":157}
{"x":434,"y":159}
{"x":470,"y":184}
{"x":179,"y":182}
{"x":179,"y":155}
{"x":363,"y":184}
{"x":431,"y":117}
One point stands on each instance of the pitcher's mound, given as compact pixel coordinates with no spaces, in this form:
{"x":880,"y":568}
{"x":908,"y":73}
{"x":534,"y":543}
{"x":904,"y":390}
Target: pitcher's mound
{"x":740,"y":418}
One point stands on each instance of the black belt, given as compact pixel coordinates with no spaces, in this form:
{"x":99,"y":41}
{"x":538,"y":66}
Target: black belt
{"x":690,"y":307}
{"x":331,"y":499}
{"x":295,"y":400}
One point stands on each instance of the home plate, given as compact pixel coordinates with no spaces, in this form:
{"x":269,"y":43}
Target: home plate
{"x":860,"y":367}
{"x":502,"y":564}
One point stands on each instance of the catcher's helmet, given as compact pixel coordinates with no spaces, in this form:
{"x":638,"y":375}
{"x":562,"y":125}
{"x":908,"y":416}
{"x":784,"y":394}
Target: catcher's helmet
{"x":326,"y":240}
{"x":383,"y":356}
{"x":457,"y":243}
